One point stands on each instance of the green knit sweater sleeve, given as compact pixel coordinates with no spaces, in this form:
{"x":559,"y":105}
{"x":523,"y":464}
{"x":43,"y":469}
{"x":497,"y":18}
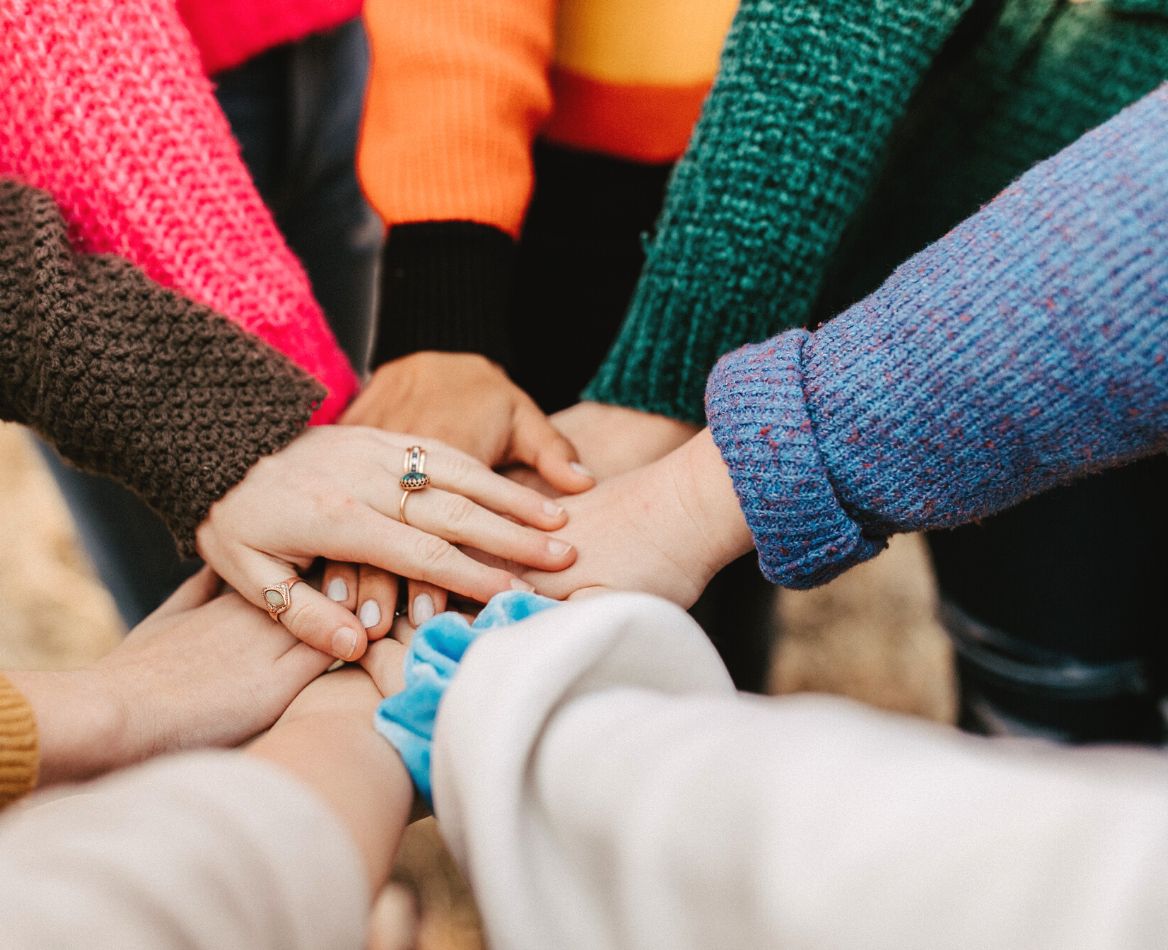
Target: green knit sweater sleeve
{"x":789,"y":141}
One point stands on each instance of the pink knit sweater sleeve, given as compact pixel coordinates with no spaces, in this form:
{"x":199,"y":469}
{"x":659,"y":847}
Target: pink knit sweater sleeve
{"x":104,"y":104}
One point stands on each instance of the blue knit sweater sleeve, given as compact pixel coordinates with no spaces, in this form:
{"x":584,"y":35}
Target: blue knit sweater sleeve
{"x":1023,"y":349}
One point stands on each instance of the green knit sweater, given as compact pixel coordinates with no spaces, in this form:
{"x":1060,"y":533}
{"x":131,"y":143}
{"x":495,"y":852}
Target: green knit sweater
{"x":840,"y":137}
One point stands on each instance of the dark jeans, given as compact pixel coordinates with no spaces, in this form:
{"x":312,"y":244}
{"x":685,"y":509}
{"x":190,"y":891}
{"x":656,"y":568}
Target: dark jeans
{"x":295,"y":110}
{"x":1054,"y":612}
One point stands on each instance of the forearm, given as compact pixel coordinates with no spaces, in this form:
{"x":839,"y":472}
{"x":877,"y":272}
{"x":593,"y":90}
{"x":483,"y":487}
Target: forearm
{"x":209,"y":849}
{"x":355,"y":773}
{"x":144,"y":165}
{"x":130,"y":380}
{"x":636,"y":801}
{"x":1022,"y":350}
{"x":77,"y":724}
{"x":457,"y":93}
{"x":788,"y":142}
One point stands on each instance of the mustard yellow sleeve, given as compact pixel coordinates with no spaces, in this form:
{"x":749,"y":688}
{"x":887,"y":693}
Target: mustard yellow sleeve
{"x":19,"y":752}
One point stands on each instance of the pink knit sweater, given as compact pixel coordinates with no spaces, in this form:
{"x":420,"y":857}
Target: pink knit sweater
{"x":104,"y":104}
{"x":227,"y":32}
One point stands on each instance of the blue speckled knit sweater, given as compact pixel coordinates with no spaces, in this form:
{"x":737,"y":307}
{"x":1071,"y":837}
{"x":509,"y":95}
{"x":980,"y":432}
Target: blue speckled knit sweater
{"x":1023,"y":349}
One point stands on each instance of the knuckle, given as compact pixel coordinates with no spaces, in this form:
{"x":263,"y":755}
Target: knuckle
{"x":458,"y":467}
{"x":305,"y":621}
{"x":431,"y":551}
{"x":460,"y":511}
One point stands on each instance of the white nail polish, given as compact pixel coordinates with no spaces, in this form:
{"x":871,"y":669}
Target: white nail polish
{"x":558,"y":548}
{"x":551,"y":508}
{"x":517,"y":584}
{"x":370,"y":614}
{"x":423,"y":609}
{"x":581,"y":470}
{"x":337,"y":590}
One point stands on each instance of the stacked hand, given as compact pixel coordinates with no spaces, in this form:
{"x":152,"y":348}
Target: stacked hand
{"x":644,"y":527}
{"x":334,"y":492}
{"x":666,"y":528}
{"x":203,"y":670}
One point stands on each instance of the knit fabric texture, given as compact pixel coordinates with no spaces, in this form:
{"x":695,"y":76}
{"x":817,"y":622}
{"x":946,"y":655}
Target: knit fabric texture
{"x":228,"y":32}
{"x":811,"y":113}
{"x":130,"y":380}
{"x":1032,"y":79}
{"x":785,"y":149}
{"x":445,"y":285}
{"x":104,"y":105}
{"x":1025,"y":348}
{"x":19,"y":749}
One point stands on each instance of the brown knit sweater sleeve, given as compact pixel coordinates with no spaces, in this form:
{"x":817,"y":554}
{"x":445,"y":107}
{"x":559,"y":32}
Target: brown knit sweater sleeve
{"x":130,"y":380}
{"x":19,"y":754}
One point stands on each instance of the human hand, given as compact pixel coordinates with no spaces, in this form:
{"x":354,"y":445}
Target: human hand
{"x":333,"y":492}
{"x":469,"y":403}
{"x":612,"y":440}
{"x":666,"y":528}
{"x":202,"y":670}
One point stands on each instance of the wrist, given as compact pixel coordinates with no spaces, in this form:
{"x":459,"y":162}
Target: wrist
{"x":356,"y":774}
{"x":82,"y":725}
{"x":719,"y":528}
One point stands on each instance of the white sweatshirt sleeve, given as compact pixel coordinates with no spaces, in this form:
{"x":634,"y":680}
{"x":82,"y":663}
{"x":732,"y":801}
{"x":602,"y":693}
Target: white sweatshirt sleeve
{"x":215,"y":850}
{"x":604,"y":787}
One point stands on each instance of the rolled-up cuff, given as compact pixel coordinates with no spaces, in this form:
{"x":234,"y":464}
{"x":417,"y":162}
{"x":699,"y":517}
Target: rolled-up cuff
{"x":758,"y":418}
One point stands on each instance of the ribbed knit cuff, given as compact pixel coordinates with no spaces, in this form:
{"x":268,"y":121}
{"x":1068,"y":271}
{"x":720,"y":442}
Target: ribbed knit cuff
{"x":445,"y":285}
{"x":758,"y":418}
{"x":657,"y":363}
{"x":19,"y":749}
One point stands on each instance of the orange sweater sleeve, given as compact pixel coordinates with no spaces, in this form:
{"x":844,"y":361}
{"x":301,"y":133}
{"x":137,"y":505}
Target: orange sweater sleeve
{"x":19,"y":754}
{"x":457,"y":91}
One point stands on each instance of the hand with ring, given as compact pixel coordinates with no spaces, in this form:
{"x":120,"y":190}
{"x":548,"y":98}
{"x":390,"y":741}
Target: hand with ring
{"x":341,"y":493}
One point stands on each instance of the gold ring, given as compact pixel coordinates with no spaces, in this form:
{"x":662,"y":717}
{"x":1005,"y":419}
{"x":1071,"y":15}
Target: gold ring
{"x":414,"y":479}
{"x":278,"y":597}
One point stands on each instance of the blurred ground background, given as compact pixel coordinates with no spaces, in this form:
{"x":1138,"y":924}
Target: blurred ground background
{"x":870,"y":635}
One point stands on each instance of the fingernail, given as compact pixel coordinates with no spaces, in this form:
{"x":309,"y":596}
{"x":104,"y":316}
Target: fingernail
{"x":370,"y":614}
{"x":517,"y":584}
{"x":558,"y":548}
{"x":551,"y":508}
{"x":345,"y":643}
{"x":581,"y":470}
{"x":423,"y":609}
{"x":337,"y":590}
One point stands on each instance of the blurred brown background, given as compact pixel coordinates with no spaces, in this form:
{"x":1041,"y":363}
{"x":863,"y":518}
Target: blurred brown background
{"x":870,"y":635}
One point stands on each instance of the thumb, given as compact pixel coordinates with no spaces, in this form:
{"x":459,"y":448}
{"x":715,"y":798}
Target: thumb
{"x":539,"y":445}
{"x":311,"y":616}
{"x":198,"y":589}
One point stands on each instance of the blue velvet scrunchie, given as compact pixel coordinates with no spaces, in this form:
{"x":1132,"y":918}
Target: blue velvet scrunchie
{"x":407,"y":719}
